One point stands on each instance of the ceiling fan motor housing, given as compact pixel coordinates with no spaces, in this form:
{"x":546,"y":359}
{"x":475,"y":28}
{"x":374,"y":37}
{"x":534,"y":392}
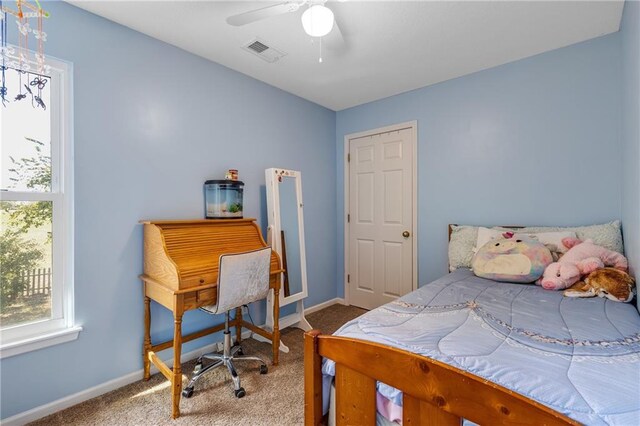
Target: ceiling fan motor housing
{"x":317,"y":21}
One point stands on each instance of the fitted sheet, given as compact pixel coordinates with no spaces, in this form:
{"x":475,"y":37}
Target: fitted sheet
{"x":580,"y":357}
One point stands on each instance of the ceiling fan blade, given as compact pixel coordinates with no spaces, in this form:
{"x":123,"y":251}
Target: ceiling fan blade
{"x":335,"y":40}
{"x":262,"y":13}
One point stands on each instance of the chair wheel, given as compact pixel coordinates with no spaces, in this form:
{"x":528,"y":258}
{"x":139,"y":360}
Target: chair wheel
{"x":187,"y":392}
{"x":263,"y":369}
{"x":240,"y":393}
{"x":240,"y":352}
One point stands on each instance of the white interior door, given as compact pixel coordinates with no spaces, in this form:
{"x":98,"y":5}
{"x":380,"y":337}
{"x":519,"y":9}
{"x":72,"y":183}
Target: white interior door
{"x":380,"y":225}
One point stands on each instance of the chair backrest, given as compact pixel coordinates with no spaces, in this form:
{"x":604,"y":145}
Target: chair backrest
{"x":243,"y":278}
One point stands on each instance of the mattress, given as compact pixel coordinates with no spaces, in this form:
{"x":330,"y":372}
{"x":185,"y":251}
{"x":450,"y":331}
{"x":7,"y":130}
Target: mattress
{"x":580,"y":357}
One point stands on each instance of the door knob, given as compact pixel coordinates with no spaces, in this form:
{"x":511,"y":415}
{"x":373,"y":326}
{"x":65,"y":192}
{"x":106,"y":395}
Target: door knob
{"x":406,"y":234}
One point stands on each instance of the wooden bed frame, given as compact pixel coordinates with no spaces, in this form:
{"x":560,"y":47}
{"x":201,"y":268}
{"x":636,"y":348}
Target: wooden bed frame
{"x":433,"y":392}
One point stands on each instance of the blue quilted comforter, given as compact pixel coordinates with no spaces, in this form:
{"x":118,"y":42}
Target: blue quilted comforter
{"x":580,"y":357}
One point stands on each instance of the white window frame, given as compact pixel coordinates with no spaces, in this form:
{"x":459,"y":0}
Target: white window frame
{"x":61,"y":326}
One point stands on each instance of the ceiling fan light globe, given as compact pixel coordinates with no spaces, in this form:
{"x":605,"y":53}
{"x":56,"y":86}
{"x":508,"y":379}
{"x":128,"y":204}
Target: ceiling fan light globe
{"x":317,"y":20}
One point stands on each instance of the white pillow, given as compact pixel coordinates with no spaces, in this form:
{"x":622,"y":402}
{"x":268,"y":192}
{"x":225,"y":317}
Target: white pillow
{"x":607,"y":235}
{"x":547,"y":238}
{"x":461,"y":242}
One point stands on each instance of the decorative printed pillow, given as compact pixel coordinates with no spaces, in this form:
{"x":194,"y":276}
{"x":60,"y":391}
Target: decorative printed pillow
{"x":512,"y":260}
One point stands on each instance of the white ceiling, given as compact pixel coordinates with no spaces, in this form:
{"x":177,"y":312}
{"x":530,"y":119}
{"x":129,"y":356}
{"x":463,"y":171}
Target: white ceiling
{"x":388,"y":47}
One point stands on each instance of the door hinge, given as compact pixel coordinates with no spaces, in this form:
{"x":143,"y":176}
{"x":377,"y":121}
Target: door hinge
{"x":348,"y":218}
{"x":348,"y":278}
{"x":348,"y":157}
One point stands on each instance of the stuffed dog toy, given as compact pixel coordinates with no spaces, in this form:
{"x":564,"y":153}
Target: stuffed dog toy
{"x":611,"y":283}
{"x":582,"y":258}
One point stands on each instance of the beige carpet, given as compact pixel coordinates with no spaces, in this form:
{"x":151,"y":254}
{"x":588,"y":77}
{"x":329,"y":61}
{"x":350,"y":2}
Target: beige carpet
{"x":272,"y":399}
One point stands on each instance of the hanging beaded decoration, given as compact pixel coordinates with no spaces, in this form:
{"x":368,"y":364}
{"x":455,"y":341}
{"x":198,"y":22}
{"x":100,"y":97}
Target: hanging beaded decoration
{"x":39,"y":83}
{"x":20,"y":96}
{"x":24,"y":28}
{"x":3,"y":49}
{"x":21,"y":61}
{"x":41,"y":36}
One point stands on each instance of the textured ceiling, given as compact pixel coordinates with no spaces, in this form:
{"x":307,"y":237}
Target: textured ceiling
{"x":385,"y":47}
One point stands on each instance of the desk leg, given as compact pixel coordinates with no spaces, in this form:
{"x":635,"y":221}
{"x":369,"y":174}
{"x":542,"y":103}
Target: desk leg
{"x":176,"y":381}
{"x":146,"y":346}
{"x":238,"y":325}
{"x":275,"y":343}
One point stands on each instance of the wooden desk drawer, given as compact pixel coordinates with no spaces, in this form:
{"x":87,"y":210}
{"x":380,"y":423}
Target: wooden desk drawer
{"x":198,"y":280}
{"x":195,"y":299}
{"x":207,"y":296}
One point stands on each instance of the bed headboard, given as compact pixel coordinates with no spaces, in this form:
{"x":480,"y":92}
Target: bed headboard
{"x":451,"y":225}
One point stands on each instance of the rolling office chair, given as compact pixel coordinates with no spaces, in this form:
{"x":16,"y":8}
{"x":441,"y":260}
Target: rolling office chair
{"x":242,"y":278}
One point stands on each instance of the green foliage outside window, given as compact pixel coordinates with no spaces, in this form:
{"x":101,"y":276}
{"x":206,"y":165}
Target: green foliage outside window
{"x":36,"y":174}
{"x":17,"y":255}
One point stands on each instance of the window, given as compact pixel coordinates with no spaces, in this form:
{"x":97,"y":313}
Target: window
{"x":36,"y":209}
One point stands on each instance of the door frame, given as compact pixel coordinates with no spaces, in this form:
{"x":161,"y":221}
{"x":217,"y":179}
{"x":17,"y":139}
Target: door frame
{"x":414,"y":183}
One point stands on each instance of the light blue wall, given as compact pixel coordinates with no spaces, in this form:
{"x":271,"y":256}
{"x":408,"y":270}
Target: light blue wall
{"x":531,"y":142}
{"x":630,"y":33}
{"x":152,"y":123}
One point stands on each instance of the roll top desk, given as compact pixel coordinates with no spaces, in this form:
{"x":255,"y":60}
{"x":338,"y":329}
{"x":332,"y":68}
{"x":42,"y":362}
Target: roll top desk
{"x":181,"y":260}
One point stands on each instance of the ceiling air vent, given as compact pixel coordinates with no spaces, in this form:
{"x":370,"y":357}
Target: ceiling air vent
{"x":257,"y":47}
{"x":262,"y":50}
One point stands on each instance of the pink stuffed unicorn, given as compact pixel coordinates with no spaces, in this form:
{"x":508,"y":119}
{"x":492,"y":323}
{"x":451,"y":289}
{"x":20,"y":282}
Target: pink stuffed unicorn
{"x":581,"y":259}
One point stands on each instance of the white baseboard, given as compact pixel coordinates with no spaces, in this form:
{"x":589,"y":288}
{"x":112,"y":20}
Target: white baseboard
{"x":68,"y":401}
{"x":320,"y":306}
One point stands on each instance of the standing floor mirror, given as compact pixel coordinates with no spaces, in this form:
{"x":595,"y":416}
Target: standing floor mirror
{"x":286,"y":236}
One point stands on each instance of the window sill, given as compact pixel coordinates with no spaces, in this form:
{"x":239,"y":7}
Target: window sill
{"x":39,"y":342}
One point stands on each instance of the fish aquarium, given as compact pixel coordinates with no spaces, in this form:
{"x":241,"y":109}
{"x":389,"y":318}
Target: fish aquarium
{"x":223,"y":199}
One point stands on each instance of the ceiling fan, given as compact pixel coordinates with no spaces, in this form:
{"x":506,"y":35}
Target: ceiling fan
{"x":317,"y":20}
